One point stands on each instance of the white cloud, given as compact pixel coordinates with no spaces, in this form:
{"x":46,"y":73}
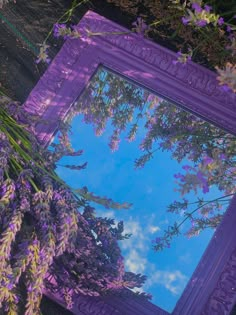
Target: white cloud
{"x":135,"y":262}
{"x":135,"y":289}
{"x":138,"y":240}
{"x":173,"y":281}
{"x":135,"y":248}
{"x":106,"y":214}
{"x":152,"y":229}
{"x":132,"y":227}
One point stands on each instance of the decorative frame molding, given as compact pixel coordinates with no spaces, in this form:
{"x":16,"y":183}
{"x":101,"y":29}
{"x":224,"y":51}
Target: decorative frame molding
{"x":211,"y":289}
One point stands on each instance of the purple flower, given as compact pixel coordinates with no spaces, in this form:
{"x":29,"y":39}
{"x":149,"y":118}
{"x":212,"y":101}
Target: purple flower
{"x":229,"y":29}
{"x":201,"y":23}
{"x":10,"y":286}
{"x":57,"y":196}
{"x":12,"y":227}
{"x":225,"y":88}
{"x":30,"y":288}
{"x":207,"y":160}
{"x":140,"y":26}
{"x":222,"y":156}
{"x":68,"y":220}
{"x":1,"y":173}
{"x":182,"y":58}
{"x":43,"y":54}
{"x":158,"y":240}
{"x":220,"y":21}
{"x":200,"y":175}
{"x":185,"y":20}
{"x":207,"y":8}
{"x":3,"y":190}
{"x":179,"y":176}
{"x":205,"y":189}
{"x":35,"y":242}
{"x":196,"y":7}
{"x":186,"y":167}
{"x":58,"y":29}
{"x":45,"y":226}
{"x":47,"y":60}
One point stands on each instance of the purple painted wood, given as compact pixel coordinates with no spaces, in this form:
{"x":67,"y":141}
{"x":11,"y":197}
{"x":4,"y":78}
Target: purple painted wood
{"x":88,"y":305}
{"x":191,"y":86}
{"x":212,"y":287}
{"x":211,"y":290}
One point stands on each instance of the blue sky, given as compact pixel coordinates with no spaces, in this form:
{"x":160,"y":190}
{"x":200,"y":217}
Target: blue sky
{"x":150,"y":190}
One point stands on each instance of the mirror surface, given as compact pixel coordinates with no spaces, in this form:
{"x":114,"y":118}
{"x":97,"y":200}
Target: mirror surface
{"x":171,"y":165}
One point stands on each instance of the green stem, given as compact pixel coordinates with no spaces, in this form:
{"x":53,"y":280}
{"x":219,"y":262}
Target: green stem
{"x":209,"y":201}
{"x":206,"y":203}
{"x":15,"y":164}
{"x":68,"y":13}
{"x":12,"y":135}
{"x":166,"y":19}
{"x":20,"y":135}
{"x":107,"y":33}
{"x":4,"y":113}
{"x":7,"y":174}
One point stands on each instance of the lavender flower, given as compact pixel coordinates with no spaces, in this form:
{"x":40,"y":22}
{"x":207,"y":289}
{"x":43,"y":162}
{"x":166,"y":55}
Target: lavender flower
{"x":203,"y":181}
{"x":140,"y":26}
{"x":227,"y":76}
{"x":183,"y":58}
{"x":43,"y":54}
{"x":207,"y":8}
{"x":225,"y":88}
{"x":185,"y":20}
{"x":114,"y":141}
{"x":220,"y":21}
{"x":201,"y":23}
{"x":196,"y":7}
{"x":60,"y":30}
{"x":56,"y":233}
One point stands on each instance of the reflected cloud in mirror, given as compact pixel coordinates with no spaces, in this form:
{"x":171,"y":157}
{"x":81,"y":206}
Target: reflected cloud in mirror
{"x":176,"y":170}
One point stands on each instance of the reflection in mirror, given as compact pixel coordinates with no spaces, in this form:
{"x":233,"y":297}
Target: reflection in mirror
{"x":177,"y":170}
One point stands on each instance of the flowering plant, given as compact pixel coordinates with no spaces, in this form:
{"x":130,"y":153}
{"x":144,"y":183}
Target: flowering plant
{"x":200,"y":17}
{"x":45,"y":242}
{"x":204,"y":32}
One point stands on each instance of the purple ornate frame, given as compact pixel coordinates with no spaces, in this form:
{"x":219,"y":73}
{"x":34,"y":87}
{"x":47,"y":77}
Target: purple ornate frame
{"x":212,"y":287}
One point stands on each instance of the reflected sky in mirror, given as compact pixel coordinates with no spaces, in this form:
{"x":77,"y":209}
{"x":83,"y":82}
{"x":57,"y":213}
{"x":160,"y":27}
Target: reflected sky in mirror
{"x":168,"y":163}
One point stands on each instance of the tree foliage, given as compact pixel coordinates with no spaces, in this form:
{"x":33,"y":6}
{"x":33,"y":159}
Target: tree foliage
{"x":210,"y":151}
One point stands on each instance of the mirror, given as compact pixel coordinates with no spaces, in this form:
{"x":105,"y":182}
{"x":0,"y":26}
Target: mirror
{"x":144,"y":150}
